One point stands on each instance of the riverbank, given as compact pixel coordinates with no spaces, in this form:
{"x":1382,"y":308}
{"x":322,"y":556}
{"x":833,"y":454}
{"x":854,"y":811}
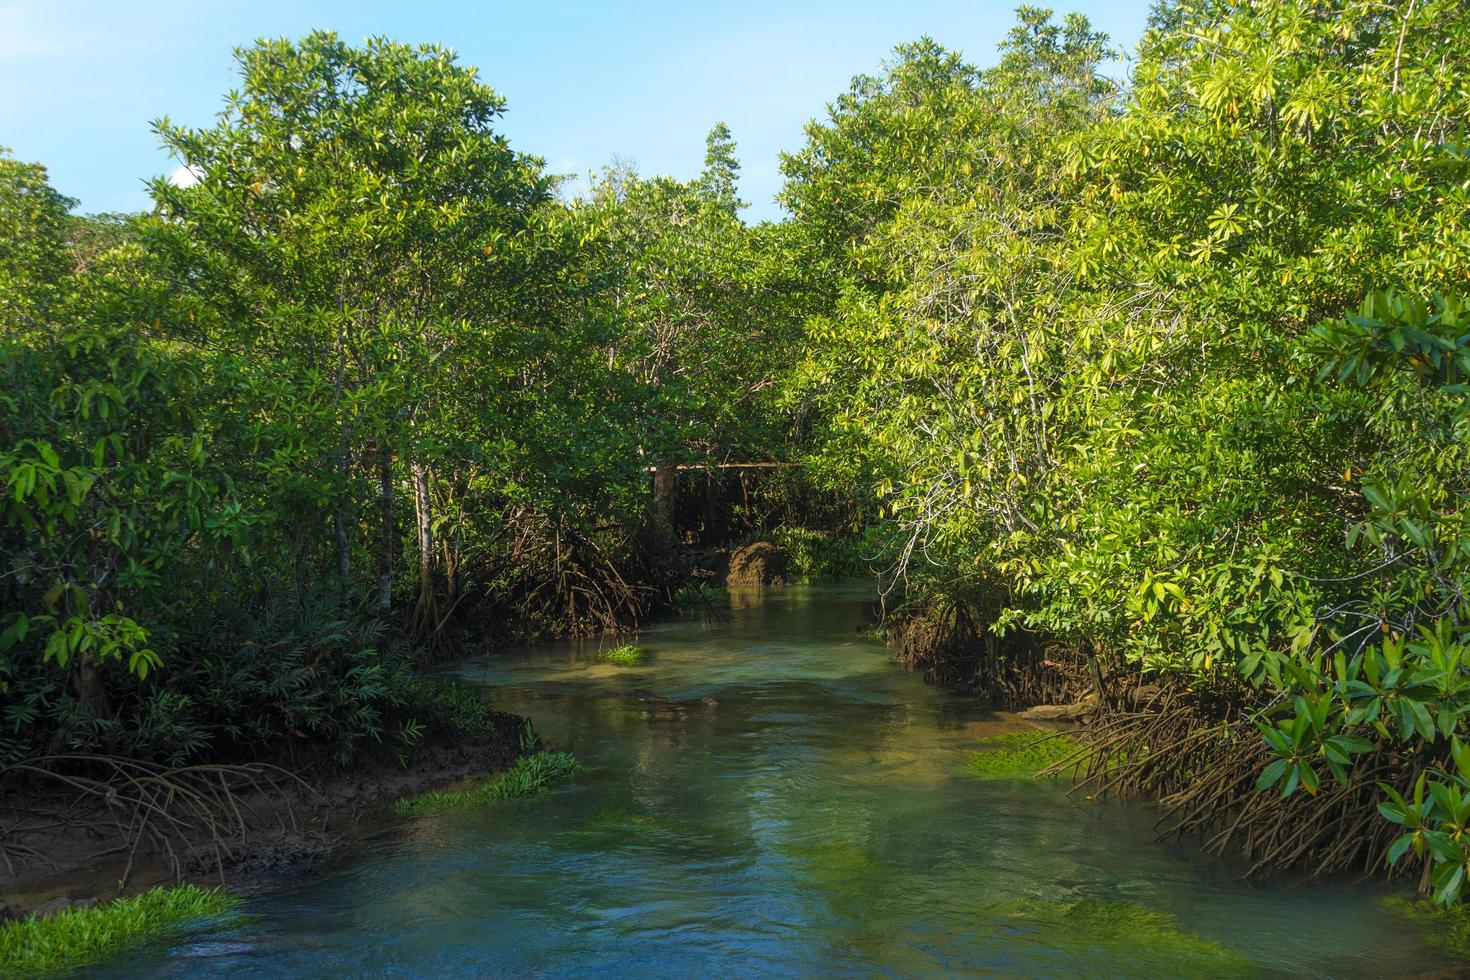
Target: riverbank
{"x":69,"y":849}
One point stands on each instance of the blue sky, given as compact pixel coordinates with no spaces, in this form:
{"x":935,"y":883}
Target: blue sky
{"x":585,"y":81}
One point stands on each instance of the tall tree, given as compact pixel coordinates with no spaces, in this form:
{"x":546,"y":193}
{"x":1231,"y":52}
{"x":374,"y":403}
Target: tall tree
{"x":353,"y":205}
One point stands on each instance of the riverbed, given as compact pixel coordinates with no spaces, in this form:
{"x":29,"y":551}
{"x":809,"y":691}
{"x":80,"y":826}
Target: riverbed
{"x":768,"y":794}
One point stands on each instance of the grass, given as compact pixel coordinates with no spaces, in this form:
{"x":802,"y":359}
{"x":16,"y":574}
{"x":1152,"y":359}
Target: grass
{"x":1017,"y":755}
{"x":81,"y":936}
{"x":532,"y":774}
{"x":1127,"y":930}
{"x":626,"y":655}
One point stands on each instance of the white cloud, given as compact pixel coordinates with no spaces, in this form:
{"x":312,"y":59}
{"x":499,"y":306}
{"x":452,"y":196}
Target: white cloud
{"x":184,"y":176}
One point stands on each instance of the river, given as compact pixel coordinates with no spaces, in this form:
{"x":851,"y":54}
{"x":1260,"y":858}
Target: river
{"x":770,"y":795}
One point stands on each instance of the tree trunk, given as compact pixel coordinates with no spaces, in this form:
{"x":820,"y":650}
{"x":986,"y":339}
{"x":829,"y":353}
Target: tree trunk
{"x":386,"y":543}
{"x":91,"y":689}
{"x":665,"y":483}
{"x":425,"y":611}
{"x":451,"y":568}
{"x":344,"y":556}
{"x":714,"y":512}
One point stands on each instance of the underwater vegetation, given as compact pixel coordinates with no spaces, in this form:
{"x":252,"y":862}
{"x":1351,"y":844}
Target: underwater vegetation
{"x":1131,"y":931}
{"x":1019,"y":755}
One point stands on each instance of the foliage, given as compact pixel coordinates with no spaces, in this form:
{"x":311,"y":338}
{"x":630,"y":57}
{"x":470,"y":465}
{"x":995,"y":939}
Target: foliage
{"x":462,"y":709}
{"x":530,"y":776}
{"x":1092,"y":346}
{"x":368,"y":339}
{"x":78,"y":937}
{"x":701,"y":597}
{"x":819,"y":555}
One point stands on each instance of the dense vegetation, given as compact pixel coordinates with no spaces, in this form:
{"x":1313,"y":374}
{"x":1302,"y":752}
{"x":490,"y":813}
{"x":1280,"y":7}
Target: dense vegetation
{"x":1173,"y":372}
{"x":1157,"y":387}
{"x":363,"y":385}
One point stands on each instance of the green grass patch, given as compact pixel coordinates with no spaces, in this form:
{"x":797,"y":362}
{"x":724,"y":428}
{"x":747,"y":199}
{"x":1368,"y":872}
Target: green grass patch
{"x":78,"y":937}
{"x":1018,"y":755}
{"x":532,"y":774}
{"x":1446,"y":927}
{"x":626,"y":655}
{"x":1133,"y":933}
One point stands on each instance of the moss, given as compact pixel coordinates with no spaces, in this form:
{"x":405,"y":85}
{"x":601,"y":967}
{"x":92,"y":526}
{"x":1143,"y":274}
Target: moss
{"x":1124,"y":929}
{"x":1017,"y":755}
{"x":81,"y":936}
{"x":1446,"y":927}
{"x":532,"y":774}
{"x":626,"y":655}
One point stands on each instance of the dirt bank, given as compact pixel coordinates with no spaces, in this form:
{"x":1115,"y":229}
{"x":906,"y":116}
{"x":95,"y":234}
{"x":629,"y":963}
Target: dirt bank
{"x":61,"y":843}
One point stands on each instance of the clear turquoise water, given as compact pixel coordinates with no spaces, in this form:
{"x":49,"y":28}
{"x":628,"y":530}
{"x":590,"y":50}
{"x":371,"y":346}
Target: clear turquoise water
{"x":771,"y":796}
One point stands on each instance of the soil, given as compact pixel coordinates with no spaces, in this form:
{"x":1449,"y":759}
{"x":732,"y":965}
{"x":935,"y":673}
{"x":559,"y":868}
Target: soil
{"x":290,"y":828}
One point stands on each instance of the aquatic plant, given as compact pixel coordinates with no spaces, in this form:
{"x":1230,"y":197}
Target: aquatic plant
{"x":531,"y":774}
{"x":77,"y":937}
{"x":626,"y":655}
{"x":1447,"y":927}
{"x":1022,"y":754}
{"x":1130,"y":930}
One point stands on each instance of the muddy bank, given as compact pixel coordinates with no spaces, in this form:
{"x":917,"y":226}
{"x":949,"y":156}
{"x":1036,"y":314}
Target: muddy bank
{"x":62,"y":846}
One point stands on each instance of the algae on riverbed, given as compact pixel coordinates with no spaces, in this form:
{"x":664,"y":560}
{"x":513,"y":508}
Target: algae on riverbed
{"x":531,"y":774}
{"x":1447,"y":927}
{"x":1017,"y":755}
{"x":1124,"y":929}
{"x":77,"y":937}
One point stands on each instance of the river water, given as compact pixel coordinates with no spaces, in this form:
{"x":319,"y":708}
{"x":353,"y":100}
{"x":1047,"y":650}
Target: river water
{"x":769,"y":795}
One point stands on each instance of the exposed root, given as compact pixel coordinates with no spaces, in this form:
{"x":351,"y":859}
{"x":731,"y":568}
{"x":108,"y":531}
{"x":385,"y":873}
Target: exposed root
{"x":949,"y":642}
{"x":194,"y":817}
{"x":568,"y":578}
{"x":1202,"y":772}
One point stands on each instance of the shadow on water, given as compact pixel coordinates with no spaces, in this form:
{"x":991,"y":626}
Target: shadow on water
{"x":770,"y":795}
